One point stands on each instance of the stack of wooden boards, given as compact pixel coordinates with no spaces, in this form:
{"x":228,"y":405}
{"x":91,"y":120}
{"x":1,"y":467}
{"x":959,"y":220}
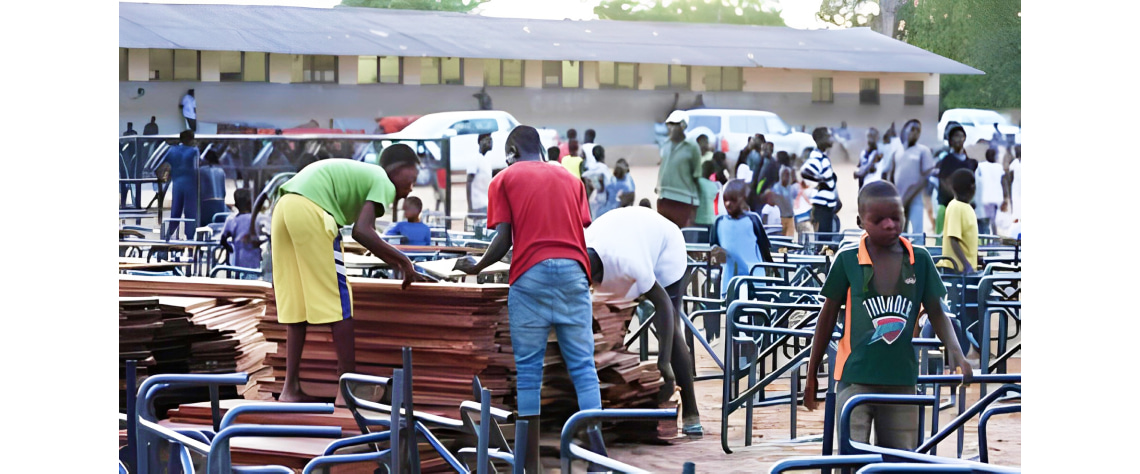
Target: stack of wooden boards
{"x":204,"y":326}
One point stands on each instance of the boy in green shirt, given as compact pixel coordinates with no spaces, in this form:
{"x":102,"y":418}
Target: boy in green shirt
{"x":707,"y":188}
{"x":882,"y":283}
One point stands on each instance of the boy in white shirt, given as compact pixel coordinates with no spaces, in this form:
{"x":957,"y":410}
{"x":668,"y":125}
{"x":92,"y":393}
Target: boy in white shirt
{"x":990,"y":196}
{"x":770,"y":214}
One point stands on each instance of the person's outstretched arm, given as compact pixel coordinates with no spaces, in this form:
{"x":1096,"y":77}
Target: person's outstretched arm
{"x":824,"y":326}
{"x":495,"y":252}
{"x":955,"y":360}
{"x":665,"y":322}
{"x":364,"y":231}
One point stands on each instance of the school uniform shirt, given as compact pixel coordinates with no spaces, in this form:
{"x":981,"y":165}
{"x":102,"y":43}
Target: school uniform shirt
{"x":546,"y":207}
{"x":415,"y":233}
{"x":340,"y":186}
{"x":988,"y":177}
{"x":638,"y":247}
{"x":738,"y":239}
{"x":480,"y":167}
{"x":818,"y":166}
{"x":770,"y":215}
{"x":189,"y":107}
{"x":961,"y":222}
{"x":876,"y":345}
{"x":909,"y":165}
{"x":680,"y":169}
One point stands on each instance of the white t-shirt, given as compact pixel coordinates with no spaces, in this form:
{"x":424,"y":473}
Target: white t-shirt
{"x":481,"y":182}
{"x":188,"y":107}
{"x":638,"y":247}
{"x":744,"y":172}
{"x":770,"y":215}
{"x":989,"y":176}
{"x":1015,"y":188}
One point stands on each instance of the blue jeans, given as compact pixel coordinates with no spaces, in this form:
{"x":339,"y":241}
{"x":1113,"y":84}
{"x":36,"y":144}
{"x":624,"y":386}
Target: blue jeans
{"x":553,"y":293}
{"x":915,"y":214}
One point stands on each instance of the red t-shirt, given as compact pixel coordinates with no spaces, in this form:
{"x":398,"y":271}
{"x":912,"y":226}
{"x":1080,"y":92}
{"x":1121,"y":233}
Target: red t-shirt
{"x":546,"y":207}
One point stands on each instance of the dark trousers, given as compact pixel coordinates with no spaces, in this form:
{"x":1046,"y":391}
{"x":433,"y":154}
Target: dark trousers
{"x":824,"y":218}
{"x":192,"y":124}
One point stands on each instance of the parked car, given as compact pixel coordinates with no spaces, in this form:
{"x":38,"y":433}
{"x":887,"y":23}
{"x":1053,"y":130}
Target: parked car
{"x":729,"y":129}
{"x":463,"y":130}
{"x":979,"y":124}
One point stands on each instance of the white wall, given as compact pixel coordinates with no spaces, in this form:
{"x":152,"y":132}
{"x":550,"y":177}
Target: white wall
{"x":347,"y":68}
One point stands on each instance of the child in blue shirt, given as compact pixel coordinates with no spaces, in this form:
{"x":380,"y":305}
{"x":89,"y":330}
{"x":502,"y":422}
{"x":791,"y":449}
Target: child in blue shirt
{"x":244,"y":251}
{"x":414,"y":231}
{"x":738,"y":236}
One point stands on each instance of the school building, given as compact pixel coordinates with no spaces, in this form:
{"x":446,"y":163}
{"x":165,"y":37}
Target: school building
{"x":284,"y":66}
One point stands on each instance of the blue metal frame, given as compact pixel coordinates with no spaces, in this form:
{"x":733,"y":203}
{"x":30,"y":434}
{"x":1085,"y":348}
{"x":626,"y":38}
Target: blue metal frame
{"x":577,"y":421}
{"x":983,"y":448}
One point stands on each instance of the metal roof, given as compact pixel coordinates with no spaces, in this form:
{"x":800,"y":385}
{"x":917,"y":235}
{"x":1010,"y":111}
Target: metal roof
{"x":380,"y":32}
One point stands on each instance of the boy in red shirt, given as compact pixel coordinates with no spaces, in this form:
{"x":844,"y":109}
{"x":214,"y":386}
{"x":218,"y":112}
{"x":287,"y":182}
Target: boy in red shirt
{"x":542,"y":210}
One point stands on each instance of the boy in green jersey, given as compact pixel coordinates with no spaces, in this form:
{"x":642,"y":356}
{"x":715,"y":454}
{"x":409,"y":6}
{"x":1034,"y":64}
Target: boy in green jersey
{"x":882,"y":283}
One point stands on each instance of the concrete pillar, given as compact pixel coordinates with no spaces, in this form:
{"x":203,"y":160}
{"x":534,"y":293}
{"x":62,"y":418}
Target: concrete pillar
{"x":473,"y":72}
{"x":211,"y":66}
{"x":589,"y":74}
{"x":280,"y":68}
{"x":532,"y":74}
{"x":138,"y":64}
{"x":346,"y":69}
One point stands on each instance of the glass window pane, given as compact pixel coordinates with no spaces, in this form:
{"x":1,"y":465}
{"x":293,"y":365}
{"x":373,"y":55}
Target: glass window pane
{"x":679,"y":76}
{"x":390,"y":69}
{"x":606,"y":73}
{"x":185,"y":65}
{"x":570,"y":73}
{"x":551,"y":73}
{"x":868,"y":91}
{"x":123,"y":74}
{"x":229,"y":66}
{"x":732,"y":79}
{"x":712,"y":78}
{"x":913,"y":90}
{"x":492,"y":72}
{"x":323,"y":68}
{"x":253,"y":69}
{"x":429,"y":71}
{"x":627,"y":75}
{"x":452,"y":71}
{"x":821,"y":89}
{"x":161,"y":64}
{"x":513,"y":72}
{"x":366,"y":67}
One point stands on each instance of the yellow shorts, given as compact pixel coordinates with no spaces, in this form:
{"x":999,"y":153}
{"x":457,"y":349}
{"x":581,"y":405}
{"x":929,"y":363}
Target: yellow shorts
{"x":309,"y":279}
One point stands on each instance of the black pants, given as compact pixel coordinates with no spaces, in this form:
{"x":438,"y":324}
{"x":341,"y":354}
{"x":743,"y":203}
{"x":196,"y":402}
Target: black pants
{"x":192,"y":124}
{"x":824,"y":218}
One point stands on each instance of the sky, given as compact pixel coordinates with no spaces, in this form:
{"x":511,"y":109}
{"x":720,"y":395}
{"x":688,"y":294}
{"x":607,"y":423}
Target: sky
{"x":796,"y":13}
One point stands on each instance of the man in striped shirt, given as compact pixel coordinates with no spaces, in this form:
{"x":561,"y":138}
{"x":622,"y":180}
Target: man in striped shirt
{"x":817,"y":168}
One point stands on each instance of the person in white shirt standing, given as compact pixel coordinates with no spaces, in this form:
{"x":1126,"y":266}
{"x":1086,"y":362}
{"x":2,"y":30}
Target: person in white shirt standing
{"x":990,"y":192}
{"x":635,"y":253}
{"x":479,"y":177}
{"x":189,"y":107}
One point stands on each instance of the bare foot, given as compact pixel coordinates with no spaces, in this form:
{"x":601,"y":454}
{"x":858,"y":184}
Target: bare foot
{"x":298,"y":396}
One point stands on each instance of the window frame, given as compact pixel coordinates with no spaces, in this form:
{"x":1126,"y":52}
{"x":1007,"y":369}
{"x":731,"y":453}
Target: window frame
{"x":241,"y":67}
{"x":817,"y":91}
{"x":909,"y":99}
{"x":312,"y":58}
{"x":265,"y":65}
{"x":616,"y":83}
{"x":870,"y":96}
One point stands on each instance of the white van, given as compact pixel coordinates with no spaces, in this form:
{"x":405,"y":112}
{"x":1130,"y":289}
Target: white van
{"x":729,"y":129}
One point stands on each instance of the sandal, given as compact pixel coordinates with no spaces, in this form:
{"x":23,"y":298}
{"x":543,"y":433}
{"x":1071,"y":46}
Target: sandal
{"x":693,"y":431}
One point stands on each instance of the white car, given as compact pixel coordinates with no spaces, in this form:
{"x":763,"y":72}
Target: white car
{"x":729,"y":130}
{"x":979,"y":124}
{"x":463,"y":130}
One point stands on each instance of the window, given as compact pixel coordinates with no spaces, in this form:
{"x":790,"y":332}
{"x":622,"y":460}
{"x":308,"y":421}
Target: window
{"x":613,"y":75}
{"x":185,"y":65}
{"x":229,"y":66}
{"x":318,"y":68}
{"x":750,"y":124}
{"x":913,"y":93}
{"x":724,"y":79}
{"x":869,"y":91}
{"x":441,"y":71}
{"x":821,"y":90}
{"x":671,"y":77}
{"x":712,"y":122}
{"x":391,"y":69}
{"x":123,"y":69}
{"x":161,"y":65}
{"x":506,"y":73}
{"x":367,"y":69}
{"x":561,"y":74}
{"x":254,"y":67}
{"x":476,"y":126}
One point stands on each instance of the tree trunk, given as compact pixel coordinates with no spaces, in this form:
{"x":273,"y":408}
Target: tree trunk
{"x":885,"y":21}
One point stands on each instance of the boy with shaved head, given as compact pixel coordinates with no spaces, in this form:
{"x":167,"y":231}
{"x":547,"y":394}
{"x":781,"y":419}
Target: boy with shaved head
{"x":882,"y":282}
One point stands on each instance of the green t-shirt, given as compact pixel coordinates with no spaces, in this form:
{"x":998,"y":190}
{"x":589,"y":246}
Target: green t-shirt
{"x":705,"y":213}
{"x":680,"y":164}
{"x":876,"y":345}
{"x":340,"y":187}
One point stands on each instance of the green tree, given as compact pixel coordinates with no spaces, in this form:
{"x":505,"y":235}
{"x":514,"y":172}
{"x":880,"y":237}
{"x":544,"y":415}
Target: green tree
{"x":462,"y":6}
{"x":984,"y":34}
{"x":740,"y":12}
